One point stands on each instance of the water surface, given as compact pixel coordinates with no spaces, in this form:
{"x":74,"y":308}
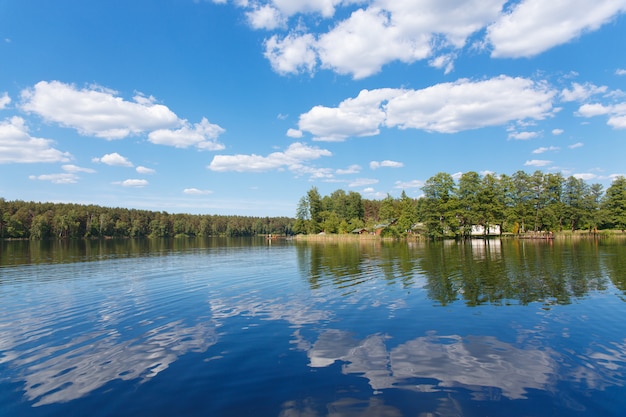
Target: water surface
{"x":228,"y":327}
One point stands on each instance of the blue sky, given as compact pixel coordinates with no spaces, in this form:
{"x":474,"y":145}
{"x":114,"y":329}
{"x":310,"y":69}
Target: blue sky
{"x":240,"y":107}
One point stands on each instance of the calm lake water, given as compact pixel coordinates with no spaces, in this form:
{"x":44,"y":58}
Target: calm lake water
{"x":222,"y":327}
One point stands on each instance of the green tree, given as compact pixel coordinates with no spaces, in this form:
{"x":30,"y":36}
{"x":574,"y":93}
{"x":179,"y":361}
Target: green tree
{"x":388,"y":211}
{"x":407,"y":214}
{"x":574,"y":199}
{"x":469,"y":211}
{"x":315,"y":210}
{"x":440,"y":205}
{"x":354,"y":206}
{"x":615,"y":203}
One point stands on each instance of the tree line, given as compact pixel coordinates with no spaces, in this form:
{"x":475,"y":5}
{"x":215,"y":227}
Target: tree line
{"x":450,"y":207}
{"x":517,"y":203}
{"x":33,"y":220}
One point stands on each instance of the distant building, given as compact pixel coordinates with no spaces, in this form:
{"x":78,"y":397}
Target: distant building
{"x":479,"y":230}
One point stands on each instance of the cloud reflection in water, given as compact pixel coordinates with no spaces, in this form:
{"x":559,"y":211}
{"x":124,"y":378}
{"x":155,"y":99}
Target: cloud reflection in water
{"x":473,"y":362}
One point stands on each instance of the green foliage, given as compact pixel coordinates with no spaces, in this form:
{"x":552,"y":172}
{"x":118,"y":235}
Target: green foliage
{"x":614,"y":203}
{"x":29,"y":220}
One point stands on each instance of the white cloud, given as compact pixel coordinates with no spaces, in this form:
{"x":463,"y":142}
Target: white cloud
{"x":114,"y":159}
{"x":537,"y":163}
{"x":523,"y":135}
{"x":359,"y":116}
{"x":202,"y":135}
{"x":63,"y":178}
{"x":362,"y":44}
{"x":352,"y":169}
{"x":293,"y":158}
{"x":145,"y":170}
{"x":457,"y":175}
{"x":408,"y":184}
{"x":5,"y":100}
{"x":546,"y":149}
{"x":378,"y":32}
{"x":616,"y":113}
{"x":576,"y":145}
{"x":17,"y":146}
{"x":266,"y":17}
{"x":557,"y":132}
{"x":383,"y":31}
{"x":385,"y":164}
{"x":620,"y":71}
{"x":591,"y":110}
{"x":133,"y":183}
{"x":196,"y":191}
{"x":465,"y":104}
{"x":445,"y":61}
{"x":292,"y":54}
{"x":294,"y":133}
{"x":443,"y":108}
{"x":534,"y":26}
{"x":360,"y":182}
{"x":96,"y":111}
{"x":75,"y":168}
{"x":585,"y":176}
{"x":581,"y":92}
{"x":326,"y":8}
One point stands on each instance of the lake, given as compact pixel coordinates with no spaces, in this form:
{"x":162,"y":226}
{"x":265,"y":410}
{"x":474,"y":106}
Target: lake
{"x":247,"y":327}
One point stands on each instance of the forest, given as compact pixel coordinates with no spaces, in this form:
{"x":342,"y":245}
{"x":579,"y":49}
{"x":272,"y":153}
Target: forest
{"x":449,"y":207}
{"x":30,"y":220}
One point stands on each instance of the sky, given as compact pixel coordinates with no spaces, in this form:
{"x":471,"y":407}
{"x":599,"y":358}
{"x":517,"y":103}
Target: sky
{"x":241,"y":106}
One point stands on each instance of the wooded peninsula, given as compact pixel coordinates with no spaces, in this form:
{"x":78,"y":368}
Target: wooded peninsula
{"x":450,"y":207}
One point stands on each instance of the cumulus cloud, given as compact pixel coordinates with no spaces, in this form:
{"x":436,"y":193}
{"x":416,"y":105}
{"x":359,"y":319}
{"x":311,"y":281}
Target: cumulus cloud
{"x":534,"y":26}
{"x":523,"y":135}
{"x":68,"y":177}
{"x":403,"y":185}
{"x":465,"y":104}
{"x":5,"y":100}
{"x":145,"y":170}
{"x":293,"y":159}
{"x":359,"y":116}
{"x":620,"y":71}
{"x":202,"y":135}
{"x":266,"y":17}
{"x":294,"y":133}
{"x":385,"y":164}
{"x":96,"y":111}
{"x":442,"y":108}
{"x":325,"y":8}
{"x":616,"y":113}
{"x":360,"y":182}
{"x":380,"y":32}
{"x":196,"y":191}
{"x":537,"y":163}
{"x":293,"y":53}
{"x":581,"y":92}
{"x":62,"y":178}
{"x":352,"y":169}
{"x":18,"y":146}
{"x":585,"y":176}
{"x":371,"y":34}
{"x":557,"y":132}
{"x":576,"y":145}
{"x":133,"y":183}
{"x":114,"y":159}
{"x":74,"y":168}
{"x":546,"y":149}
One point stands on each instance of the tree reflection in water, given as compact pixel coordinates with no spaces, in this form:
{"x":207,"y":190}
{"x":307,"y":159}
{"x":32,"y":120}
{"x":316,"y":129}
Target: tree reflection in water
{"x":480,"y":271}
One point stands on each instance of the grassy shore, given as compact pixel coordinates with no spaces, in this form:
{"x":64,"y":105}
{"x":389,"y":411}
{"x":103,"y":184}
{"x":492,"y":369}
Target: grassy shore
{"x":565,"y":234}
